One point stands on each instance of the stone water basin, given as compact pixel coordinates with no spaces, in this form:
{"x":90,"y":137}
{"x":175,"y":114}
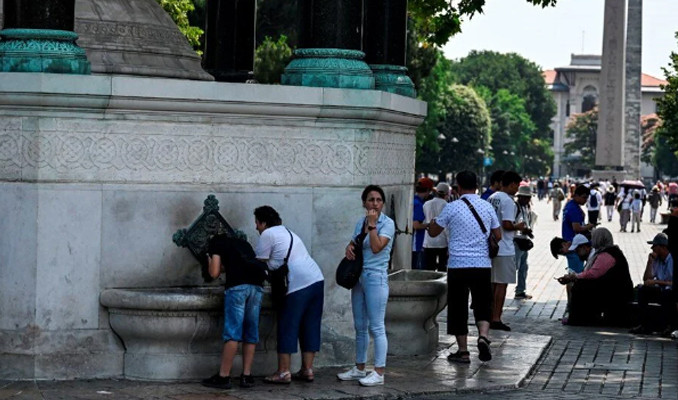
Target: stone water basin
{"x":174,"y":333}
{"x":415,"y":299}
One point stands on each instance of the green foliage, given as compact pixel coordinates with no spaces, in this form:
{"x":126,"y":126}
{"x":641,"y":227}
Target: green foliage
{"x":178,"y":10}
{"x":465,"y":124}
{"x":514,"y":73}
{"x":438,"y":20}
{"x":667,"y":106}
{"x":270,"y":59}
{"x":655,"y":149}
{"x":432,"y":89}
{"x":580,"y":151}
{"x":513,"y":143}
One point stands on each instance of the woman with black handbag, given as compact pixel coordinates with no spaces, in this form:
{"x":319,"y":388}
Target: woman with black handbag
{"x":300,"y":316}
{"x":370,"y":295}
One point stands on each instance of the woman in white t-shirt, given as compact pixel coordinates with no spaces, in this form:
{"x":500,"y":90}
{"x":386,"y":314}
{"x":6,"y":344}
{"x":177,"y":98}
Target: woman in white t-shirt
{"x":300,"y":317}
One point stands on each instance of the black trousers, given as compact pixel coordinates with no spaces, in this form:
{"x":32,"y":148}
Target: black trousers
{"x":461,"y":281}
{"x":593,"y":216}
{"x":653,"y":294}
{"x":435,"y":259}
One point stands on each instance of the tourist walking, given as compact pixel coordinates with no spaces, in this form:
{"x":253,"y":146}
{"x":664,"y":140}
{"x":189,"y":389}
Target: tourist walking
{"x":370,"y":294}
{"x":655,"y":200}
{"x":636,"y":211}
{"x":243,"y":288}
{"x":469,"y":265}
{"x":435,"y":249}
{"x":557,"y":196}
{"x":300,"y":316}
{"x":495,"y":184}
{"x":624,"y":207}
{"x":609,"y":200}
{"x":422,"y":191}
{"x":593,"y":204}
{"x":504,"y":265}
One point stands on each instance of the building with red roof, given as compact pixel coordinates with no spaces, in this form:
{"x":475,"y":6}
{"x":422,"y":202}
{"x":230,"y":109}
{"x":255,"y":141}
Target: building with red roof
{"x":575,"y":89}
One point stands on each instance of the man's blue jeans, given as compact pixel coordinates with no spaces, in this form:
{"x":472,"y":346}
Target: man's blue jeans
{"x":369,"y":298}
{"x":521,"y":267}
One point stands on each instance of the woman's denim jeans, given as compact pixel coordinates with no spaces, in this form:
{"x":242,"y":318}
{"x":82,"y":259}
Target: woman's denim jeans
{"x":369,"y":298}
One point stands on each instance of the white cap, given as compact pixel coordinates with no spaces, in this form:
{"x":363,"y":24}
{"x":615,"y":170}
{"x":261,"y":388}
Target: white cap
{"x":578,"y":240}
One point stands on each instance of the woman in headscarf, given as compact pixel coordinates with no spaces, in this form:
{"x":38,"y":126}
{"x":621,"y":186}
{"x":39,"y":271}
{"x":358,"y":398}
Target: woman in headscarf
{"x":601,"y":292}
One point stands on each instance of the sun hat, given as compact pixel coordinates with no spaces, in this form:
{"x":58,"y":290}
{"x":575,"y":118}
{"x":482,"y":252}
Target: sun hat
{"x":524,"y":191}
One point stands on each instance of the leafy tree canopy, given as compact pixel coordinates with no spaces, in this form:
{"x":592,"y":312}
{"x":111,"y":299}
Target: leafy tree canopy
{"x":179,"y":10}
{"x":438,"y":20}
{"x":667,"y":106}
{"x":466,"y":128}
{"x":580,"y":152}
{"x":514,"y":73}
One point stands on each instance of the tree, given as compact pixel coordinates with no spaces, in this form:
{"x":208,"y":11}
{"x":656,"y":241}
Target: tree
{"x":466,"y":127}
{"x":438,"y":20}
{"x":270,"y":59}
{"x":179,"y":10}
{"x":667,"y":106}
{"x":580,"y":150}
{"x":514,"y":73}
{"x":655,"y":150}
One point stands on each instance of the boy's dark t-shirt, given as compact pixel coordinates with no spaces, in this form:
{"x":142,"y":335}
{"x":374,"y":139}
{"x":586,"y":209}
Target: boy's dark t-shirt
{"x":239,"y":261}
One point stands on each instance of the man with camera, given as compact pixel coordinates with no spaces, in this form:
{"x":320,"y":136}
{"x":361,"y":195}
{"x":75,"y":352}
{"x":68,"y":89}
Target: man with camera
{"x":522,"y":240}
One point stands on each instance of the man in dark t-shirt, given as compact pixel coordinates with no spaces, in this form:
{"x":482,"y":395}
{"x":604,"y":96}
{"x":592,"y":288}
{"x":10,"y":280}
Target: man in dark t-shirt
{"x":242,"y":303}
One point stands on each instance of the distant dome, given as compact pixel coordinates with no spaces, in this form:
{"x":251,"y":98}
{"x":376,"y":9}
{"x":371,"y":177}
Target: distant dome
{"x":134,"y":37}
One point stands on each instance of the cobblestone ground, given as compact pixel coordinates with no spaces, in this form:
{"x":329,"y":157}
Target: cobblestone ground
{"x":587,"y":362}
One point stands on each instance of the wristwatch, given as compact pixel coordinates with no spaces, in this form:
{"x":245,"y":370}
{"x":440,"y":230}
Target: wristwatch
{"x":371,"y":228}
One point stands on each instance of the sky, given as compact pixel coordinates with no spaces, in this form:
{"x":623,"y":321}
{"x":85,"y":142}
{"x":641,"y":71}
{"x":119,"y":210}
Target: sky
{"x":548,"y":36}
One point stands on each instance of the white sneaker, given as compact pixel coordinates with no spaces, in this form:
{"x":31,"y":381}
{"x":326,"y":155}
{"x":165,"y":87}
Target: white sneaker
{"x":674,"y":334}
{"x":352,"y":374}
{"x":373,"y":379}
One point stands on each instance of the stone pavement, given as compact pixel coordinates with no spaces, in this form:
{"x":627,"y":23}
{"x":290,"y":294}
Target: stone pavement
{"x":539,"y":359}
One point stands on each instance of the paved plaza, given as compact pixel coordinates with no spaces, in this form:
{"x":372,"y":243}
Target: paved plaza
{"x":539,"y":358}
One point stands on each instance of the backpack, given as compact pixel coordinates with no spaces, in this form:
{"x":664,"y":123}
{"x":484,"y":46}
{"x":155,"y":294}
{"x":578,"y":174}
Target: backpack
{"x":593,"y":200}
{"x":560,"y":194}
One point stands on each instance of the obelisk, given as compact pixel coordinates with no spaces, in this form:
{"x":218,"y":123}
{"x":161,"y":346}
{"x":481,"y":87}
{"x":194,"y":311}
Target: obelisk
{"x":610,"y":138}
{"x":633,"y":140}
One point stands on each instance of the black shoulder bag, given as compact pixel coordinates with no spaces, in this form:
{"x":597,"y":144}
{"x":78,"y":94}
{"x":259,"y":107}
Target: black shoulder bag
{"x":278,"y":279}
{"x":349,"y":271}
{"x":492,"y":243}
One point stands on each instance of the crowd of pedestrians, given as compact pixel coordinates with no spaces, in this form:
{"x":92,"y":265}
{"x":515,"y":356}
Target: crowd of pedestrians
{"x":481,"y":241}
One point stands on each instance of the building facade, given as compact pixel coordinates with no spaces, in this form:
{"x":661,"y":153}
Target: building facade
{"x":575,"y":89}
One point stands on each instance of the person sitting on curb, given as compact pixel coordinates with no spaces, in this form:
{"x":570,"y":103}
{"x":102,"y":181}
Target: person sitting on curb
{"x":657,"y":285}
{"x":242,"y":302}
{"x":600,"y":294}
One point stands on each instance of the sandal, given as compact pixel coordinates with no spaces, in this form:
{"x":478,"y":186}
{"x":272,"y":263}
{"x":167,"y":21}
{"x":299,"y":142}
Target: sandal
{"x":461,"y":357}
{"x":305,"y":375}
{"x":283,"y":378}
{"x":484,"y":349}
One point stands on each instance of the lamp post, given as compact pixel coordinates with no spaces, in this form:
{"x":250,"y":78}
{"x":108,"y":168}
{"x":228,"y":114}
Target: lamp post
{"x":481,"y":153}
{"x":441,"y":139}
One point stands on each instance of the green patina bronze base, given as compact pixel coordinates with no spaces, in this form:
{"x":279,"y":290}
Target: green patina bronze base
{"x":393,"y":79}
{"x":40,"y":50}
{"x":338,"y":68}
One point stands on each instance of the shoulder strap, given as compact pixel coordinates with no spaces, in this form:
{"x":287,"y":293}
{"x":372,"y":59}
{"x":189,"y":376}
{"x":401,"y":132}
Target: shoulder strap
{"x":291,"y":243}
{"x":475,"y":214}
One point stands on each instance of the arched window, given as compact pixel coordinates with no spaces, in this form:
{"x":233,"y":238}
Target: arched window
{"x":589,"y":98}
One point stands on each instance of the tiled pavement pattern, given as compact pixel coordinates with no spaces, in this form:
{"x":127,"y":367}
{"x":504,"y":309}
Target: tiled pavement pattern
{"x":579,"y":362}
{"x":587,"y":362}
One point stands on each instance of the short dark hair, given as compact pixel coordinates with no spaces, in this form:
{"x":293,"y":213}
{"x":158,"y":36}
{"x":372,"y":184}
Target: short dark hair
{"x":373,"y":188}
{"x":510,"y":177}
{"x":556,"y":246}
{"x":467,"y":180}
{"x":419,"y":189}
{"x":581,"y":190}
{"x":496,"y":176}
{"x":267,"y":215}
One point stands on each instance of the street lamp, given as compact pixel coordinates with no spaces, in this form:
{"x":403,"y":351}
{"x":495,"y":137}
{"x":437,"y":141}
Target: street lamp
{"x":455,"y":140}
{"x":442,"y":137}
